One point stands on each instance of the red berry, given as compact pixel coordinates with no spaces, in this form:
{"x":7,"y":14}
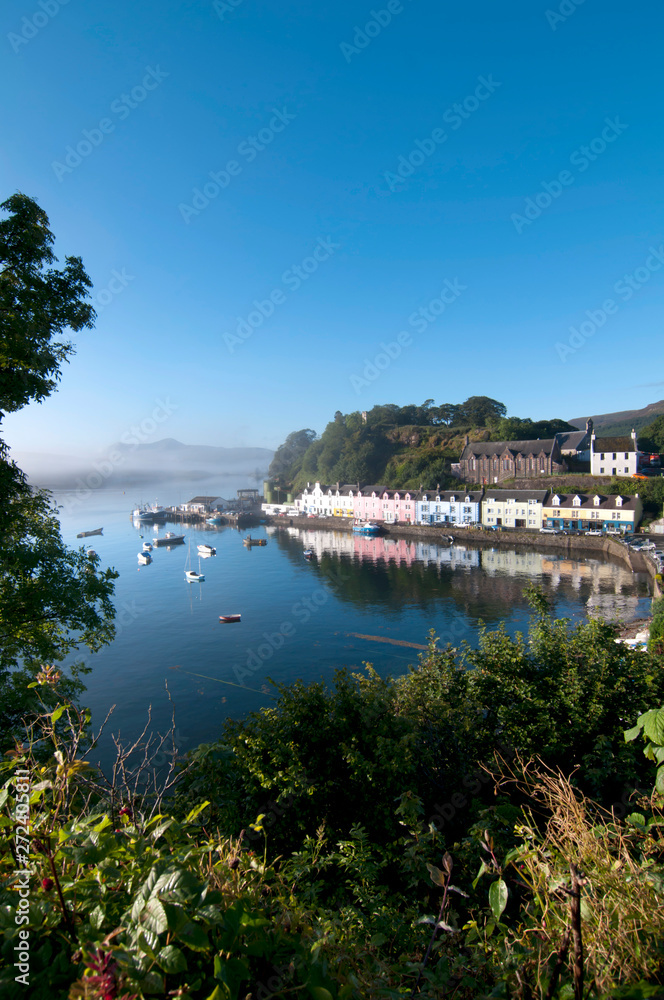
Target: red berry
{"x":47,"y":884}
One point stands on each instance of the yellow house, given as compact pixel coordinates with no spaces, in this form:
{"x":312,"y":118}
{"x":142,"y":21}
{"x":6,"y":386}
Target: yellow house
{"x":613,"y":514}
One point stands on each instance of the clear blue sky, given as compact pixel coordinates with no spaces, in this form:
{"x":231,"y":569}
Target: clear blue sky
{"x":305,"y":122}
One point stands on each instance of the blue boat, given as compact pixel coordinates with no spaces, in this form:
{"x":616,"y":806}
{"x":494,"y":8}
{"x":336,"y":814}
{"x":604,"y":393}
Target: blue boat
{"x":367,"y":528}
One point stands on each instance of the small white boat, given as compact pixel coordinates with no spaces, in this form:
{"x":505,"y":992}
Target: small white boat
{"x":144,"y":558}
{"x":193,"y":577}
{"x":91,"y":554}
{"x":206,"y":550}
{"x":308,"y":553}
{"x":147,"y":547}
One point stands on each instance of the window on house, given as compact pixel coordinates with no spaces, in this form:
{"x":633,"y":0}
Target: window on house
{"x":614,"y":456}
{"x":601,"y":470}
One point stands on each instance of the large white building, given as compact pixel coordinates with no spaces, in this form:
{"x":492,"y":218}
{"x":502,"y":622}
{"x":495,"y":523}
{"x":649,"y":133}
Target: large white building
{"x":614,"y":456}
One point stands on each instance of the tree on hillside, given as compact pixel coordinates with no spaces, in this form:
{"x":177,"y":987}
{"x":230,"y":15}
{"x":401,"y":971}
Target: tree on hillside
{"x":288,"y":456}
{"x":651,"y":438}
{"x":478,"y":411}
{"x":52,"y":598}
{"x":37,"y":304}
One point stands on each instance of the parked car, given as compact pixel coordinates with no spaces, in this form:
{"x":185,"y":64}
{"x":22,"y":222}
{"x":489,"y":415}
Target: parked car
{"x":549,"y":531}
{"x":594,"y":531}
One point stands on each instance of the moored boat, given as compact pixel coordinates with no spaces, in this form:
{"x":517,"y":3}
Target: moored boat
{"x":144,"y":558}
{"x":168,"y":539}
{"x":229,"y":619}
{"x":193,"y":577}
{"x":206,"y":550}
{"x":86,"y":534}
{"x":366,"y":528}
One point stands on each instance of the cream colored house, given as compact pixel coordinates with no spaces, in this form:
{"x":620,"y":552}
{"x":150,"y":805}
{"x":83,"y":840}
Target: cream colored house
{"x":513,"y":509}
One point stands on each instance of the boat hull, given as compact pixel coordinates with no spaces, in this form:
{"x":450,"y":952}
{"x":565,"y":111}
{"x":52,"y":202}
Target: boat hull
{"x":165,"y":541}
{"x":229,"y":619}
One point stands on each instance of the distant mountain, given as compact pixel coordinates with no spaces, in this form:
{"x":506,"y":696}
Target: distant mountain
{"x":126,"y":463}
{"x":621,"y":422}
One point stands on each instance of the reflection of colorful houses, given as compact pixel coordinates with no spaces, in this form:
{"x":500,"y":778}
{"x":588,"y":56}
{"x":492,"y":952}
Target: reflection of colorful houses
{"x":613,"y":514}
{"x":513,"y":508}
{"x":378,"y":503}
{"x":448,"y":507}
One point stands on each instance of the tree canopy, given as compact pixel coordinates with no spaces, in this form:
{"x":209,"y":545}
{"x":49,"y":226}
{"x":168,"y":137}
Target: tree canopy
{"x":52,"y":598}
{"x":37,"y":304}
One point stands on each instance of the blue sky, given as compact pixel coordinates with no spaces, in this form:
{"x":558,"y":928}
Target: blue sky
{"x":385,"y":153}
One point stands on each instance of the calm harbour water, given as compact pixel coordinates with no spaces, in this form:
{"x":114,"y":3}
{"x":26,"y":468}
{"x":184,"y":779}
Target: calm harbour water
{"x":300,"y":618}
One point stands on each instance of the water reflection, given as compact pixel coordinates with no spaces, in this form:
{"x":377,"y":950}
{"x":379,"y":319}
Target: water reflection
{"x":481,"y":582}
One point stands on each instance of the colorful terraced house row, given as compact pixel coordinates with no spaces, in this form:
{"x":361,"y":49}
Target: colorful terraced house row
{"x":530,"y":510}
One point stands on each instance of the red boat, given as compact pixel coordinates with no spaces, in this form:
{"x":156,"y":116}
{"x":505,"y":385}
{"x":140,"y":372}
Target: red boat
{"x":227,"y":619}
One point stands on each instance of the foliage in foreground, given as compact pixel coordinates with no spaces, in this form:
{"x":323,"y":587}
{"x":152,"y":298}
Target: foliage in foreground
{"x":496,"y":895}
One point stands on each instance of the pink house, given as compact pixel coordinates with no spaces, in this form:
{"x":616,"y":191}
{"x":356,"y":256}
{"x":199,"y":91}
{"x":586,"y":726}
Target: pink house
{"x":377,"y":503}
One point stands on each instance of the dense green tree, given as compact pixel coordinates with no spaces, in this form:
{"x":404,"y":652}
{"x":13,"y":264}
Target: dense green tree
{"x":478,"y":411}
{"x":651,"y":438}
{"x":288,"y":457}
{"x":37,"y":304}
{"x":52,"y":598}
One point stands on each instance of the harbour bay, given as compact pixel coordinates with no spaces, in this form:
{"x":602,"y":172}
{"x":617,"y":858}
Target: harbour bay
{"x":355,"y":600}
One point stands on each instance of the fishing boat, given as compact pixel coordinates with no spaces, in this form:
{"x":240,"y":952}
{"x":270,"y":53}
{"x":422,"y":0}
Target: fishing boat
{"x":217,"y":519}
{"x":206,"y":550}
{"x":229,"y":619}
{"x":249,"y":541}
{"x":86,"y":534}
{"x":366,"y":528}
{"x":144,"y":558}
{"x":308,"y":553}
{"x":168,"y":539}
{"x":149,"y":513}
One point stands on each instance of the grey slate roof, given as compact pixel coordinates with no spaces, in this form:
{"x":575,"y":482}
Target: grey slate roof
{"x":570,"y":440}
{"x":614,"y":444}
{"x":491,"y":449}
{"x":519,"y":495}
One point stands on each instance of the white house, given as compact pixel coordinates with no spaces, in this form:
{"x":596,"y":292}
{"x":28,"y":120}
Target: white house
{"x":202,"y":505}
{"x":326,"y":501}
{"x":614,"y":456}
